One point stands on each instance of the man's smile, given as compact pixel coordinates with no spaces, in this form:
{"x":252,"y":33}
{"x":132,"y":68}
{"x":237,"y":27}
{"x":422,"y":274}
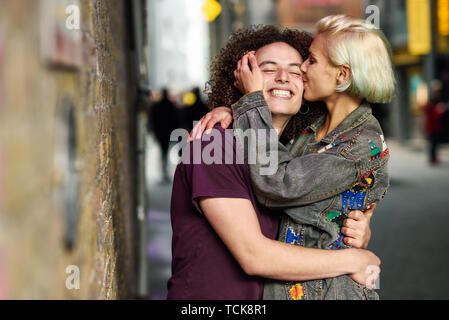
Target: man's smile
{"x":281,"y":93}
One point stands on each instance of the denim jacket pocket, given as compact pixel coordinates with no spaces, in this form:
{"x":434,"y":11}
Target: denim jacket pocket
{"x":344,"y":288}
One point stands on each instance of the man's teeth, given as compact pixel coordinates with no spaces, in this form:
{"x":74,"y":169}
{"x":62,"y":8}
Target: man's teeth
{"x":281,"y":93}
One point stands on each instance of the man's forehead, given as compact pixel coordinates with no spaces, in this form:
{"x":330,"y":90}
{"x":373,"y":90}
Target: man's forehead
{"x":278,"y":52}
{"x":276,"y":46}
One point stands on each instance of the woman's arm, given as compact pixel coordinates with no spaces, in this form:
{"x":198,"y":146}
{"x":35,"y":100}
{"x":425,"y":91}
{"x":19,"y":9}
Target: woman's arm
{"x":286,"y":181}
{"x":236,"y":223}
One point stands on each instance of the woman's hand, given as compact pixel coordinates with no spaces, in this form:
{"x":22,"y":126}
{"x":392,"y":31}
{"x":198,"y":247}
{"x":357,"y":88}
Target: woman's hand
{"x":248,"y":80}
{"x":221,"y":115}
{"x":356,"y":228}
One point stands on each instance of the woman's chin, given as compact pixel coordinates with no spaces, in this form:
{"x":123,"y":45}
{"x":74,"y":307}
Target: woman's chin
{"x":310,"y":98}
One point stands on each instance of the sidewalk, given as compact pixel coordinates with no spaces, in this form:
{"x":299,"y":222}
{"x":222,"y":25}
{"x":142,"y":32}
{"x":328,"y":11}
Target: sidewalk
{"x":409,"y":227}
{"x":159,"y":227}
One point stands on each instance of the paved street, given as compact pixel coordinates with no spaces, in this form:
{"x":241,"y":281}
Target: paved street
{"x":410,"y":226}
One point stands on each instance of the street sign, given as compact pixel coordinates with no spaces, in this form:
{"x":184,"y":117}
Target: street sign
{"x":443,"y":17}
{"x":211,"y":10}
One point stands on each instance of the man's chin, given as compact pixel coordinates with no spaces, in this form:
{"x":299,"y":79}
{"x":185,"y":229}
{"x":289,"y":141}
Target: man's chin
{"x":282,"y":110}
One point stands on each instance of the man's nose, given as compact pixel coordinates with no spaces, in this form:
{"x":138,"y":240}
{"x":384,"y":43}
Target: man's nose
{"x":282,"y":75}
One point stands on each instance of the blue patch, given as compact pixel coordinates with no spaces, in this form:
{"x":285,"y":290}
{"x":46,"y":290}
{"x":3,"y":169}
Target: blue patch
{"x":352,"y":200}
{"x":337,"y":245}
{"x":292,"y":237}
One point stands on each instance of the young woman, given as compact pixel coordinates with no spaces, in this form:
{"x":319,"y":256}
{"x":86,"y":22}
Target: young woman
{"x":340,"y":162}
{"x":223,"y":241}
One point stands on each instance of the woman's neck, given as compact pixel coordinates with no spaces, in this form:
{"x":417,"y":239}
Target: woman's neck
{"x":280,"y":122}
{"x":339,"y":106}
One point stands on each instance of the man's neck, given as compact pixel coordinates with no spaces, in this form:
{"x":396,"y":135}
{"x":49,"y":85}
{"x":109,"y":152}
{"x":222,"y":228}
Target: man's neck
{"x":280,"y":122}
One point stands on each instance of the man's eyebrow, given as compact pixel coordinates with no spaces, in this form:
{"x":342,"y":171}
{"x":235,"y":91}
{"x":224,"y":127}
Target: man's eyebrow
{"x":266,"y":62}
{"x":275,"y":63}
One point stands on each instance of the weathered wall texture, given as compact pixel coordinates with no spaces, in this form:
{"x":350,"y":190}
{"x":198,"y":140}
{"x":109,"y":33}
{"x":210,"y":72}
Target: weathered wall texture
{"x":33,"y":158}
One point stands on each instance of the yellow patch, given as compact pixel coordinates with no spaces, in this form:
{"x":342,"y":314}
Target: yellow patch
{"x":297,"y":291}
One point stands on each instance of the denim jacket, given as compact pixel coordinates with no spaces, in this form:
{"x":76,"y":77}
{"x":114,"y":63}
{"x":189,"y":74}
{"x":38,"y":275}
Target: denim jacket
{"x":316,"y":184}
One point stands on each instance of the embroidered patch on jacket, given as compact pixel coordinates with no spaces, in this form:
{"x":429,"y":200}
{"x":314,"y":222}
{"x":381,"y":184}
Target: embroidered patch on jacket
{"x":374,"y":149}
{"x":351,"y":199}
{"x":376,"y":154}
{"x":297,"y":291}
{"x":337,"y":218}
{"x":337,"y":245}
{"x":292,"y":237}
{"x":333,"y":144}
{"x":354,"y":197}
{"x":364,"y":182}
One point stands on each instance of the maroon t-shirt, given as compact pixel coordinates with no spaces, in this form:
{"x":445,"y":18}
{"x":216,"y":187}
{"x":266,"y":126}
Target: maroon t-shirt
{"x":202,"y":266}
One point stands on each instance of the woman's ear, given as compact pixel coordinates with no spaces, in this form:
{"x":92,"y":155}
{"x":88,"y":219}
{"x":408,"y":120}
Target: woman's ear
{"x":344,"y":74}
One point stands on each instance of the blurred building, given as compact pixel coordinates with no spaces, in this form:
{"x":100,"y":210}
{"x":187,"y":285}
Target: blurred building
{"x":418,"y":32}
{"x":67,"y":87}
{"x":408,"y":24}
{"x":179,"y":51}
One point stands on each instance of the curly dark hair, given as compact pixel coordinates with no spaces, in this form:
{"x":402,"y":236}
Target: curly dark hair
{"x":220,"y":88}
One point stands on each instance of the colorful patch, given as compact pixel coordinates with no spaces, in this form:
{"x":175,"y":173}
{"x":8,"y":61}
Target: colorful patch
{"x":364,"y":182}
{"x":292,"y":237}
{"x":381,"y":155}
{"x":366,"y":179}
{"x":337,"y":245}
{"x":333,"y":144}
{"x":337,"y":218}
{"x":376,"y":154}
{"x":352,"y":200}
{"x":297,"y":291}
{"x":374,"y":149}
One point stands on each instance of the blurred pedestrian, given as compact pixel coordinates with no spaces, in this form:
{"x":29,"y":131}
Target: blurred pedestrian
{"x":194,"y":108}
{"x":164,"y":119}
{"x":433,"y":112}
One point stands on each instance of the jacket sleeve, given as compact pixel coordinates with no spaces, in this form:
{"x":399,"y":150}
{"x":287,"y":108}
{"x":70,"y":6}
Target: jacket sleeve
{"x":280,"y":180}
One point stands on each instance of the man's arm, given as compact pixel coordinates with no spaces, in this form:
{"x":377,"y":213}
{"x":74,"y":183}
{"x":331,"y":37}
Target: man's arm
{"x":236,"y":223}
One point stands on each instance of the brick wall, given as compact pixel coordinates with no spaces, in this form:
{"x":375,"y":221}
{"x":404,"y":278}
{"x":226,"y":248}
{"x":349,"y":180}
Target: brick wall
{"x":33,"y":158}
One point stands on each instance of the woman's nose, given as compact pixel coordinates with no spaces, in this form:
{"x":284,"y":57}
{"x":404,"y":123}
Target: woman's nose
{"x":303,"y":67}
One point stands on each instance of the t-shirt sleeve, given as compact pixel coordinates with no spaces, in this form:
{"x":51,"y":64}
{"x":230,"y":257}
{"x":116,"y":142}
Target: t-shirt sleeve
{"x":219,"y":180}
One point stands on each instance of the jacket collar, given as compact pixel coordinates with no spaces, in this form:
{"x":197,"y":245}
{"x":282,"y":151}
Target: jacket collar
{"x":354,"y":119}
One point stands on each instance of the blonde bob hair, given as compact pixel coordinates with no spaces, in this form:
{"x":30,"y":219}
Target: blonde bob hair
{"x":365,"y":49}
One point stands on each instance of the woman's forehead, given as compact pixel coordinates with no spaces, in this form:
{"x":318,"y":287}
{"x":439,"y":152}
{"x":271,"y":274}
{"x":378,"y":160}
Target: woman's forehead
{"x":317,"y":44}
